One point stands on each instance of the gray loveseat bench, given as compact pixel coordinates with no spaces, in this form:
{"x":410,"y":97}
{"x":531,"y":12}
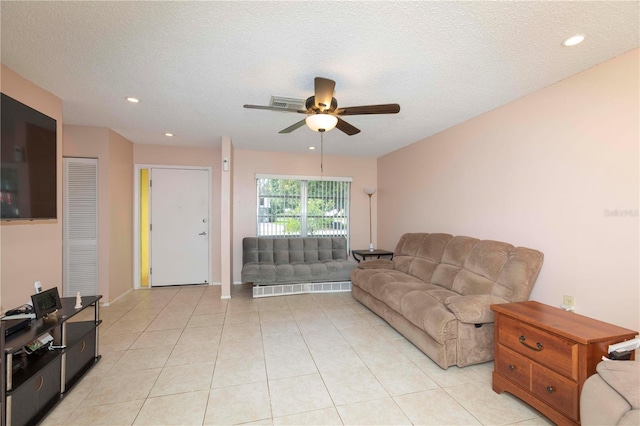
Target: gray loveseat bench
{"x":438,"y":289}
{"x":271,"y":261}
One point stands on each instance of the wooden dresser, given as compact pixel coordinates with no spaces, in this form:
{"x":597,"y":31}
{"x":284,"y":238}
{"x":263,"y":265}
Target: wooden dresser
{"x":543,"y":355}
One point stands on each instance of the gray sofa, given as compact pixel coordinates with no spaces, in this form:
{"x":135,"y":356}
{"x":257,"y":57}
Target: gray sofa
{"x":438,"y":289}
{"x":612,"y":395}
{"x":270,"y":261}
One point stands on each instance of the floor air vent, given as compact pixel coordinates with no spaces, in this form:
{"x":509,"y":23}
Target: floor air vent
{"x":287,"y":289}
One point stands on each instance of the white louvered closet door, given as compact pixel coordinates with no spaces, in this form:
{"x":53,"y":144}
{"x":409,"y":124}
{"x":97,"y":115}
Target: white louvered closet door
{"x":80,"y":227}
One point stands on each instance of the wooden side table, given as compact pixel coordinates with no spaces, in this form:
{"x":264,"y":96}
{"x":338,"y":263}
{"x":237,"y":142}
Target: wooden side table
{"x":543,"y":355}
{"x":368,"y":253}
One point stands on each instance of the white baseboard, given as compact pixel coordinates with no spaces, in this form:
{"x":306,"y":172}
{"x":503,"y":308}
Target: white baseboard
{"x":109,"y":302}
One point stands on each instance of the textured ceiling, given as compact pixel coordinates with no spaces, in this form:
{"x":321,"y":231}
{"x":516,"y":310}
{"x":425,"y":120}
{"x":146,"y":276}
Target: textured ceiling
{"x":194,"y":64}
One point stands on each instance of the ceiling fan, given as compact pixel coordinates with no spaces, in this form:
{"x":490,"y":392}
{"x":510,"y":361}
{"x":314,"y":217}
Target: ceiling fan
{"x":323,"y":113}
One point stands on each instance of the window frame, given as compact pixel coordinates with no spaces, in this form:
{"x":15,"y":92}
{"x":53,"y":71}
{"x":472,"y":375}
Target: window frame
{"x":304,"y":198}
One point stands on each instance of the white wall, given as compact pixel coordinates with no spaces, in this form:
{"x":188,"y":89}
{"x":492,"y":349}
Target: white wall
{"x":544,"y":172}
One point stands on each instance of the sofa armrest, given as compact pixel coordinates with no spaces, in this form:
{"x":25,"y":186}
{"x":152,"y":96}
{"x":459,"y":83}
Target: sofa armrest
{"x":376,"y":264}
{"x":473,"y":309}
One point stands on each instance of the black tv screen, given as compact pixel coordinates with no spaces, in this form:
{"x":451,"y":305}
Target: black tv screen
{"x":28,"y":162}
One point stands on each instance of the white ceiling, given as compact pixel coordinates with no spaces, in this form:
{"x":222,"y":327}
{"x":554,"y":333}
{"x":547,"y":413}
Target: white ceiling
{"x":194,"y":64}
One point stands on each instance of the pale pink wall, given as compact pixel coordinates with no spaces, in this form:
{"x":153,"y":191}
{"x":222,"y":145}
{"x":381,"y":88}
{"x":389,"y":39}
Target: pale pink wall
{"x":190,"y":156}
{"x":93,"y":142}
{"x":120,"y":215}
{"x":226,"y":219}
{"x":248,"y":163}
{"x":31,"y":251}
{"x":540,"y":172}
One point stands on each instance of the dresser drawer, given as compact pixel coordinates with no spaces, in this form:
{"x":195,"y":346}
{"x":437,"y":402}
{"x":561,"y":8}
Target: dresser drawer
{"x":545,"y":348}
{"x":557,"y":391}
{"x":513,"y":366}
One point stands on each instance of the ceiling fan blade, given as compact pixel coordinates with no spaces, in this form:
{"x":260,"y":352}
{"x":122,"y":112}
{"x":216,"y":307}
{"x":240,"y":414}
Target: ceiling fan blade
{"x":270,"y":108}
{"x":293,"y":127}
{"x":369,"y":109}
{"x":324,"y":89}
{"x":346,"y":127}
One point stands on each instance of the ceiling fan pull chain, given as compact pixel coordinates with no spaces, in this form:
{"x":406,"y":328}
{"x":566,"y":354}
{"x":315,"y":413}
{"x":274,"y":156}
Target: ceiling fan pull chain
{"x":321,"y":152}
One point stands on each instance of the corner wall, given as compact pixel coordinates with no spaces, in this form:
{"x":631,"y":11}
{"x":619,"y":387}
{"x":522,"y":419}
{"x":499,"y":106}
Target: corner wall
{"x":31,"y":251}
{"x":120,"y":215}
{"x":557,"y":170}
{"x":115,"y":203}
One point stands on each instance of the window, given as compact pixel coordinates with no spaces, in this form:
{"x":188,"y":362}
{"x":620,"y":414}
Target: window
{"x":302,"y":207}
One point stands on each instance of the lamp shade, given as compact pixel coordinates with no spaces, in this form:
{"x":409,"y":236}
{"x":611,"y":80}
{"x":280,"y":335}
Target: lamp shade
{"x":324,"y":122}
{"x":369,"y":190}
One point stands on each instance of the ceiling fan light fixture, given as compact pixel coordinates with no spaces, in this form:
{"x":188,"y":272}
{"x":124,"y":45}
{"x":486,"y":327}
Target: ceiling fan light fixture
{"x":321,"y":122}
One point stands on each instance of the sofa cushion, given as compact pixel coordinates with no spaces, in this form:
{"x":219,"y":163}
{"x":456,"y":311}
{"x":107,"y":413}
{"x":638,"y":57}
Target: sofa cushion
{"x":519,"y":274}
{"x":255,"y":271}
{"x":624,"y":378}
{"x":471,"y":266}
{"x":392,"y":293}
{"x":295,"y":250}
{"x":325,"y":249}
{"x":440,"y":294}
{"x":374,"y":280}
{"x":473,"y":309}
{"x":428,"y":314}
{"x":418,"y":254}
{"x":482,"y":268}
{"x":376,"y":264}
{"x":290,"y":272}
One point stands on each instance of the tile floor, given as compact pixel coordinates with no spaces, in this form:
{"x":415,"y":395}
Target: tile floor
{"x":183,"y":356}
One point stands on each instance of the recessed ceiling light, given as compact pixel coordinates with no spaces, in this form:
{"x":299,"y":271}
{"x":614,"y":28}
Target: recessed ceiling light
{"x":132,"y":99}
{"x":312,"y":148}
{"x":573,"y":40}
{"x":168,"y":134}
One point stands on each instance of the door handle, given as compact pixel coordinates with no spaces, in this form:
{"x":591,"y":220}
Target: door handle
{"x":202,"y":233}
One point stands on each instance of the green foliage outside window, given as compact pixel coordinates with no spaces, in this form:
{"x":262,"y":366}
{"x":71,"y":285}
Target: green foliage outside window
{"x":281,"y":205}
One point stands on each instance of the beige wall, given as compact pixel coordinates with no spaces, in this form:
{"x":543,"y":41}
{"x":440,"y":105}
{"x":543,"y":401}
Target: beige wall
{"x":120,"y":215}
{"x":248,"y":163}
{"x":31,"y":251}
{"x":226,"y":218}
{"x":190,"y":156}
{"x":541,"y":172}
{"x":115,"y":203}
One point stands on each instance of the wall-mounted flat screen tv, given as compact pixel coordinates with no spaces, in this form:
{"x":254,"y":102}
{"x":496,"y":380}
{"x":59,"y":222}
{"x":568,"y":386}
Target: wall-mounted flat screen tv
{"x":27,"y":162}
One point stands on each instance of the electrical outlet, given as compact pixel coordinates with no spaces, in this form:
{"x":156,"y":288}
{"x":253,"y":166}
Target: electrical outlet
{"x":568,"y":303}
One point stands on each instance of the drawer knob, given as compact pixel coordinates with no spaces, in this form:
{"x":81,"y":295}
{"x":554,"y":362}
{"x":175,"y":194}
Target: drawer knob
{"x":512,"y":367}
{"x":537,"y":347}
{"x":550,"y":389}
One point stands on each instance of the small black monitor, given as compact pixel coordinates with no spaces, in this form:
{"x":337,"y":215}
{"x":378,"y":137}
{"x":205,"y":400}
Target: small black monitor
{"x":46,"y":302}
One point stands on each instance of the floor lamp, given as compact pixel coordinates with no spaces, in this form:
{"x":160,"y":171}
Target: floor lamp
{"x":370,"y":191}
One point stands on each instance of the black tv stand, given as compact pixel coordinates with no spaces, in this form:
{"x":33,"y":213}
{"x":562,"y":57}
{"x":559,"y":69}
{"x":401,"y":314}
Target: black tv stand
{"x":31,"y":389}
